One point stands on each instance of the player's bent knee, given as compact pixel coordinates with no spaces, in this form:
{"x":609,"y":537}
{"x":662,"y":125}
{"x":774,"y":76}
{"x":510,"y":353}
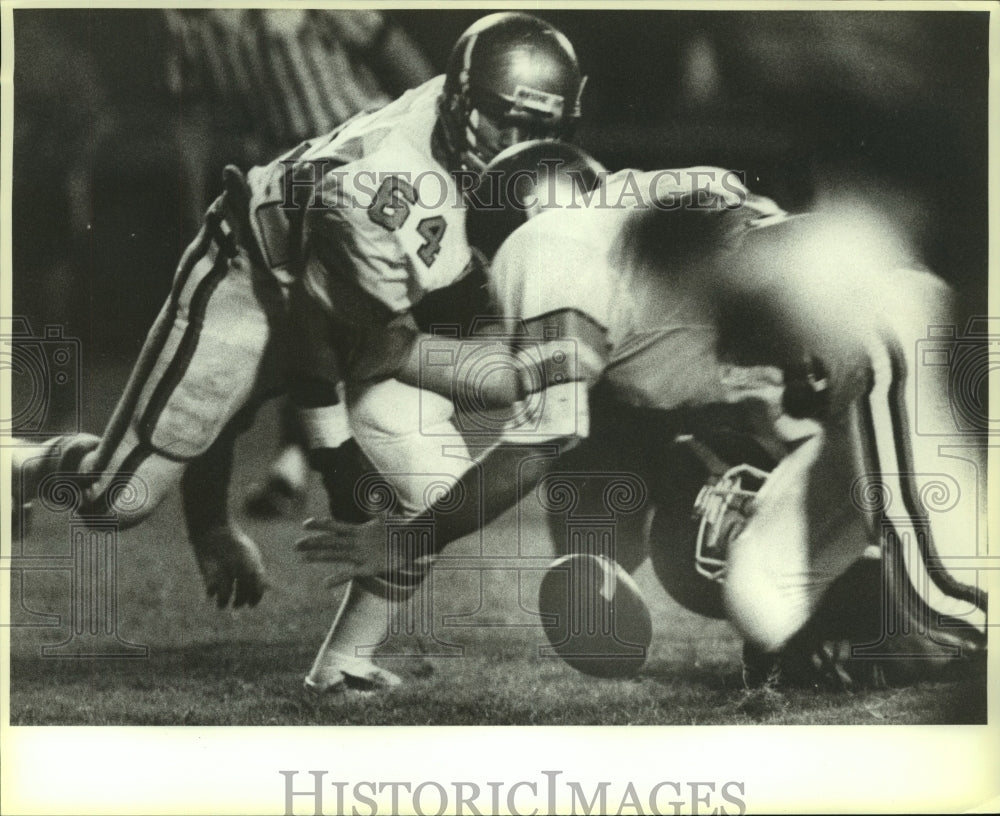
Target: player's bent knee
{"x":130,"y":497}
{"x":128,"y":501}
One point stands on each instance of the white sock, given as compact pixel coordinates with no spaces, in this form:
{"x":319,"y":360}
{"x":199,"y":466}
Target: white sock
{"x":291,"y":466}
{"x":362,"y":621}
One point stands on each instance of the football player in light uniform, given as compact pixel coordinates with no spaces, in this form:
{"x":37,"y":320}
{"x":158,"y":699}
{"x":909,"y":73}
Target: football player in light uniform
{"x":696,"y":301}
{"x":294,"y":267}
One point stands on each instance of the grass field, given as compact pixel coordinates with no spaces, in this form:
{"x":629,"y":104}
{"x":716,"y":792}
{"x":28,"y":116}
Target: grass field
{"x":480,"y":664}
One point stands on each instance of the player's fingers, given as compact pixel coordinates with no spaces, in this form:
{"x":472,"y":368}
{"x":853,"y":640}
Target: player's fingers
{"x":339,"y":577}
{"x":323,"y":556}
{"x":328,"y":557}
{"x":328,"y":547}
{"x":319,"y":525}
{"x":223,"y":591}
{"x":212,"y":579}
{"x":341,"y":529}
{"x":243,"y":592}
{"x":256,"y":586}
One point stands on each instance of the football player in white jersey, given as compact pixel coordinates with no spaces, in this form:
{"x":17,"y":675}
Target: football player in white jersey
{"x":694,"y":300}
{"x":510,"y":80}
{"x":294,"y":267}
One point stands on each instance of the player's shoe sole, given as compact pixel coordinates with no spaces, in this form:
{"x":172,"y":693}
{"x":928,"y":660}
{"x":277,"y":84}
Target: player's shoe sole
{"x":356,"y":675}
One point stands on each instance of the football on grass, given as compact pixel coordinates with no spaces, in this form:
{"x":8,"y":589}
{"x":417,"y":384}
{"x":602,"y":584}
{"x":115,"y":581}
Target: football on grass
{"x":595,"y":616}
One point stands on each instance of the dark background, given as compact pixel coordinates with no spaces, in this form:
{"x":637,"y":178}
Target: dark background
{"x":889,"y":105}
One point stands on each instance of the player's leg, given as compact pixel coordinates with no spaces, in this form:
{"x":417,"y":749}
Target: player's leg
{"x":200,"y":364}
{"x":284,"y":485}
{"x":802,"y":533}
{"x":864,"y":482}
{"x":416,"y":450}
{"x":926,"y":496}
{"x":61,"y":454}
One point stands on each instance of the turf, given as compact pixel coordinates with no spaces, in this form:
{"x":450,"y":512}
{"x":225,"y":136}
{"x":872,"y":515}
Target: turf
{"x":478,"y":664}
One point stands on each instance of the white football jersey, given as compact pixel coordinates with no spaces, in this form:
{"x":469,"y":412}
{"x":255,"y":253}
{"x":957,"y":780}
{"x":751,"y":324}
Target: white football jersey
{"x":382,"y":216}
{"x":660,"y":336}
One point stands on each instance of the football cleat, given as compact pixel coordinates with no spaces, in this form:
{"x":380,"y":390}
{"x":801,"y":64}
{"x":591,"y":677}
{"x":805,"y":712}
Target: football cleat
{"x":341,"y":672}
{"x":866,"y":634}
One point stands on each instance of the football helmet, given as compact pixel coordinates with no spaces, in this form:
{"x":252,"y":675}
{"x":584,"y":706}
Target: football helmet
{"x":521,"y":182}
{"x":510,"y":77}
{"x":705,"y":506}
{"x":722,"y":507}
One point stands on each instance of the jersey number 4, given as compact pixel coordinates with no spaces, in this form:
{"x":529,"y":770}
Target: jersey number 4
{"x":391,"y":208}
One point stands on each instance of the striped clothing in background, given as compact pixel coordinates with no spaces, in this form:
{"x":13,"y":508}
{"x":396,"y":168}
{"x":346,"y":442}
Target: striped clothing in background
{"x":284,"y":74}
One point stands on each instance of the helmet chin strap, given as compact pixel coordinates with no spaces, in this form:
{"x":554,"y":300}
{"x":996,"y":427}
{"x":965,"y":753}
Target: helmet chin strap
{"x":458,"y":153}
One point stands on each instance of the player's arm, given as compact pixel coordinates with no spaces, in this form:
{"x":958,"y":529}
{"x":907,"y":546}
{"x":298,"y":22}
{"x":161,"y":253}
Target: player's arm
{"x":229,"y":560}
{"x":506,"y":473}
{"x":491,"y":372}
{"x":503,"y":477}
{"x":494,"y":373}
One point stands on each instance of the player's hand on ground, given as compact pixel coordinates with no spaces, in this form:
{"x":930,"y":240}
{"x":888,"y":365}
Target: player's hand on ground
{"x":231,"y":567}
{"x":354,"y":549}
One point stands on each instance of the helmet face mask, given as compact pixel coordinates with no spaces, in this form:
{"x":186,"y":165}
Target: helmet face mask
{"x":724,"y":507}
{"x":488,"y":136}
{"x":511,"y":78}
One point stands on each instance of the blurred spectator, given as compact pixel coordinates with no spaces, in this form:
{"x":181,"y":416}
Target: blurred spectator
{"x":251,"y":83}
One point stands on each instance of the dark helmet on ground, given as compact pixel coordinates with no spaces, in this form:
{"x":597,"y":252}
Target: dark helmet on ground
{"x":511,"y":77}
{"x":523,"y":181}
